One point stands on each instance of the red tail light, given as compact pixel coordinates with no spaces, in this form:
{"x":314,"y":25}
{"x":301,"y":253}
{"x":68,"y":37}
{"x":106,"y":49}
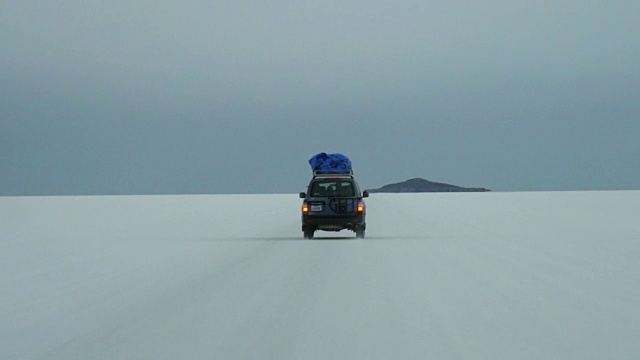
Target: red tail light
{"x":305,"y":208}
{"x":360,"y":206}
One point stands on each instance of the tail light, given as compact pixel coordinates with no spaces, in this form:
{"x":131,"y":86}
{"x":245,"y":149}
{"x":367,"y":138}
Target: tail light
{"x":305,"y":208}
{"x":360,"y":206}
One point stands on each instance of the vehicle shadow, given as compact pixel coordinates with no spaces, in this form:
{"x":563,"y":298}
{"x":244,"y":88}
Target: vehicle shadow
{"x":334,"y":238}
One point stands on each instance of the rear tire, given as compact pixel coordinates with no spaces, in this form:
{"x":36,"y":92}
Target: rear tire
{"x":308,"y":234}
{"x":359,"y":233}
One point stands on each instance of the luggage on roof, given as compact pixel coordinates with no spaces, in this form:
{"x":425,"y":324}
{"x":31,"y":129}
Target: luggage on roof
{"x":323,"y":163}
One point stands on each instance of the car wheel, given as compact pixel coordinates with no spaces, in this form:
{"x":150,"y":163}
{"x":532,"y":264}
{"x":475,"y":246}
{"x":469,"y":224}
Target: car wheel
{"x":360,"y":233}
{"x":308,"y":234}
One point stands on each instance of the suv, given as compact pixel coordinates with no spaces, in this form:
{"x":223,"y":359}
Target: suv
{"x":333,"y":202}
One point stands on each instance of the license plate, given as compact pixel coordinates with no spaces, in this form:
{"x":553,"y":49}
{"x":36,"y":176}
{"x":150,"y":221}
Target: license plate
{"x":316,"y":207}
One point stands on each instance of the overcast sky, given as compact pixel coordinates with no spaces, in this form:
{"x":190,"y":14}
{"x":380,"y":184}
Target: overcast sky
{"x":142,"y":97}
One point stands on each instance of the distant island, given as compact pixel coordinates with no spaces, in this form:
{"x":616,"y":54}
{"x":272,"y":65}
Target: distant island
{"x":422,"y":185}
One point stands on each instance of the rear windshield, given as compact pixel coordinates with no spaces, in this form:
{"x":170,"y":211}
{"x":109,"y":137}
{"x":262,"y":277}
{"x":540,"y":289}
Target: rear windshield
{"x":336,"y":188}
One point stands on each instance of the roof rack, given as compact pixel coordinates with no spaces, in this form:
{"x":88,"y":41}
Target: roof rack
{"x":329,"y":173}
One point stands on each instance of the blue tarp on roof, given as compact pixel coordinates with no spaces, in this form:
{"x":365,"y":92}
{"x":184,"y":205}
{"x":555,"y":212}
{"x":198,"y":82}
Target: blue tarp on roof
{"x":330,"y":163}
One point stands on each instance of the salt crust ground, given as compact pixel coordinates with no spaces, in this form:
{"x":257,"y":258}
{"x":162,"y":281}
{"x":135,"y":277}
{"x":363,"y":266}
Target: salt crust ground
{"x":546,"y":275}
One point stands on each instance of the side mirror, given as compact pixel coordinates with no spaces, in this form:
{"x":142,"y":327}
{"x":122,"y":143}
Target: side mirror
{"x":365,"y":193}
{"x":303,"y":195}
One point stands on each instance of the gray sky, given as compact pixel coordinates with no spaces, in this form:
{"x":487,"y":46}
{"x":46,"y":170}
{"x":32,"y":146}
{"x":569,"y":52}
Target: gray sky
{"x":126,"y":97}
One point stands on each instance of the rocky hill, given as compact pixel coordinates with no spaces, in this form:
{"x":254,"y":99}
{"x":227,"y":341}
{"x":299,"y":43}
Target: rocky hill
{"x":422,"y":185}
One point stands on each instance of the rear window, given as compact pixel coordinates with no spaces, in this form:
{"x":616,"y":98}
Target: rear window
{"x":328,"y":188}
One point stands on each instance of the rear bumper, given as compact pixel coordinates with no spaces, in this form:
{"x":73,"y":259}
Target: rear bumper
{"x":333,"y":223}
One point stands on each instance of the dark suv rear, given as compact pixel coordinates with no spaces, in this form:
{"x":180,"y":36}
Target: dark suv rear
{"x":333,"y":202}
